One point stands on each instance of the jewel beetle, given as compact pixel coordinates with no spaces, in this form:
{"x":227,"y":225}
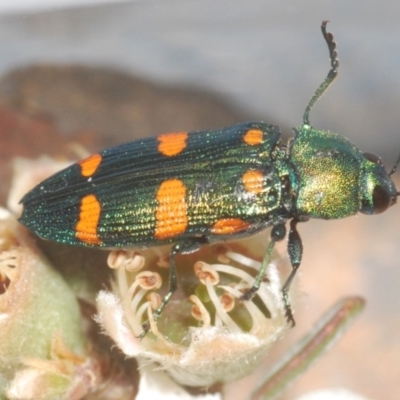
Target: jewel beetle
{"x":195,"y":188}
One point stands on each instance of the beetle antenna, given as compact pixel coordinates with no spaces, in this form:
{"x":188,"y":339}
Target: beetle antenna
{"x":394,"y":169}
{"x":331,"y":74}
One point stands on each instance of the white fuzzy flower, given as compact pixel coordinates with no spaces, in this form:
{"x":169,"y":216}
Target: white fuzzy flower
{"x":205,"y":334}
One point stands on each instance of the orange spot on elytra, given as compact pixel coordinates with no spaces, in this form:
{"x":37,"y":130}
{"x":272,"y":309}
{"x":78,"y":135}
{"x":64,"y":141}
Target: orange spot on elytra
{"x":253,"y":137}
{"x":171,"y":214}
{"x":89,"y":165}
{"x":229,"y":225}
{"x":253,"y":181}
{"x":89,"y":216}
{"x":171,"y":144}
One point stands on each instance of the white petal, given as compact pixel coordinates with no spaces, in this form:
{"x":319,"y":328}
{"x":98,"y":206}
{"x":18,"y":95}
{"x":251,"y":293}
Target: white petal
{"x":111,"y":318}
{"x":158,"y":385}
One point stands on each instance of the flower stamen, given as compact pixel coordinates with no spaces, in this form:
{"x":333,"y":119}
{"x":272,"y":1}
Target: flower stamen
{"x":128,"y":259}
{"x":221,"y":315}
{"x":154,"y":328}
{"x":206,"y":272}
{"x":148,"y":280}
{"x":144,"y":281}
{"x":227,"y":301}
{"x":256,"y":315}
{"x":242,"y":259}
{"x":124,"y":261}
{"x":155,"y":300}
{"x":199,"y":312}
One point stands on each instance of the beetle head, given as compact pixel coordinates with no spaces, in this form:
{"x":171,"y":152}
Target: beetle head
{"x":378,"y":191}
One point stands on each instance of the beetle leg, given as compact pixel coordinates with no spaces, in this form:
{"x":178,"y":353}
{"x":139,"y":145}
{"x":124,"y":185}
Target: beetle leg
{"x":278,"y":232}
{"x":185,"y":246}
{"x":295,"y":251}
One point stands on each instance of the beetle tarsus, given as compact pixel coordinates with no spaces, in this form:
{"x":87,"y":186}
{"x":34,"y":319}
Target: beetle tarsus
{"x":146,"y":330}
{"x":288,"y":309}
{"x":249,"y":294}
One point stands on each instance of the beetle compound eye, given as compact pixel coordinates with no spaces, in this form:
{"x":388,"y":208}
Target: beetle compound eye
{"x":379,"y":202}
{"x":381,"y":199}
{"x":373,"y":158}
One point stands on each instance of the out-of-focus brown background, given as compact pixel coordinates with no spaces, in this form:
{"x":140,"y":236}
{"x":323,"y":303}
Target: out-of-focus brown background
{"x":102,"y":75}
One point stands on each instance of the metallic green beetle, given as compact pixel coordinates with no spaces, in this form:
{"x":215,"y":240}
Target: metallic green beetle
{"x":195,"y":188}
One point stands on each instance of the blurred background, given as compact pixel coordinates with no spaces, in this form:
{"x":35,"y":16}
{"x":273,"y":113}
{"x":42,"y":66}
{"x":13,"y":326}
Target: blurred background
{"x":97,"y":73}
